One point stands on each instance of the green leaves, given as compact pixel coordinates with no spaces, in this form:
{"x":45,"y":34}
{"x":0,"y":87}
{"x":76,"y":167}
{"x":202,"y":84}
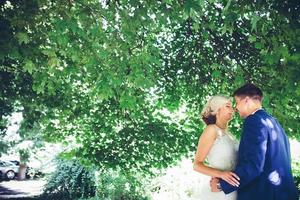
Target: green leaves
{"x":22,"y":37}
{"x":254,"y":19}
{"x":216,"y":74}
{"x":29,"y":66}
{"x":118,"y":77}
{"x":252,"y":38}
{"x":258,"y":45}
{"x":227,"y":5}
{"x":192,"y":8}
{"x":128,"y":101}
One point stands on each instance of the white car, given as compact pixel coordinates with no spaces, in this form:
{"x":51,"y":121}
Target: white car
{"x":8,"y":170}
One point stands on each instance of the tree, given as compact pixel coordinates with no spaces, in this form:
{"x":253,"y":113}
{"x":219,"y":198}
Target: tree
{"x":100,"y":74}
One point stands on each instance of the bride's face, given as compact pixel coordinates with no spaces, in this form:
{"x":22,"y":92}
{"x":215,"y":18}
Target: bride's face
{"x":226,"y":111}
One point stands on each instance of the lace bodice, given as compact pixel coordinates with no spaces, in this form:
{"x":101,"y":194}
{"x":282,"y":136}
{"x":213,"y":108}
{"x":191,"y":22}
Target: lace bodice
{"x":223,"y":153}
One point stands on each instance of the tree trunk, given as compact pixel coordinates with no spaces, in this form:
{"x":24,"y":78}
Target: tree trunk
{"x":22,"y":172}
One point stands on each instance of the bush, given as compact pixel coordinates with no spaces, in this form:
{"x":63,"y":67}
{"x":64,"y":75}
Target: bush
{"x":296,"y":173}
{"x":117,"y":185}
{"x":70,"y":181}
{"x":73,"y":181}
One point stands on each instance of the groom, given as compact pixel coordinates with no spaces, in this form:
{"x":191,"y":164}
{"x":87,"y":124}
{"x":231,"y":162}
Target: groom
{"x":264,"y":160}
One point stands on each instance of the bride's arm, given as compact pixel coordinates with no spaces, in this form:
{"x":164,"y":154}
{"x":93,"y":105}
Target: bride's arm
{"x":205,"y":143}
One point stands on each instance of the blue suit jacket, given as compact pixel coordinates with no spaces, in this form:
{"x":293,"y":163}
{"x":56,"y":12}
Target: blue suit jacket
{"x":264,"y":161}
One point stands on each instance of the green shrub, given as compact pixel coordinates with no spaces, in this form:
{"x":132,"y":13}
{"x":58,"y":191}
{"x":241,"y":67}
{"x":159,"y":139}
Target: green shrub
{"x":117,"y":185}
{"x":70,"y":181}
{"x":296,"y":173}
{"x":73,"y":181}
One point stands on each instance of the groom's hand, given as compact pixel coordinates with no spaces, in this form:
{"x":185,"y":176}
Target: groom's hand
{"x":213,"y":184}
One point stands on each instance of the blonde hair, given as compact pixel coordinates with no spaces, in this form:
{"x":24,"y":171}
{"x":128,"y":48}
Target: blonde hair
{"x":211,"y":108}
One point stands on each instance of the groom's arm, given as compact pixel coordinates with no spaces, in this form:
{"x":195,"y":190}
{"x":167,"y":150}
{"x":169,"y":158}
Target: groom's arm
{"x":252,"y":153}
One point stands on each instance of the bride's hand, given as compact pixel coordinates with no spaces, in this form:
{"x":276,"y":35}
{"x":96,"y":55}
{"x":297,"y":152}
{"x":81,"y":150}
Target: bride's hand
{"x":230,"y":178}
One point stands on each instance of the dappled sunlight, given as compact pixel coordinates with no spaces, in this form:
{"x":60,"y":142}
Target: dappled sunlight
{"x":180,"y":182}
{"x":268,"y":123}
{"x":14,"y":125}
{"x":295,"y":149}
{"x":21,"y":189}
{"x":274,"y":135}
{"x":274,"y":178}
{"x":263,"y":145}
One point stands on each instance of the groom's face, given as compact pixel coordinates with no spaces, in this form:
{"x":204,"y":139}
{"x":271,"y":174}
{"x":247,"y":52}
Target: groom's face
{"x":240,"y":106}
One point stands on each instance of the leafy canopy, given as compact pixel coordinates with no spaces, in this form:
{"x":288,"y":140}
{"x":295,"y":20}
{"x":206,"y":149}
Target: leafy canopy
{"x":110,"y":78}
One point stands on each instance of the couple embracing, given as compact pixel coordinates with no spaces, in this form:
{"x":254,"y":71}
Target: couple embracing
{"x":259,"y":167}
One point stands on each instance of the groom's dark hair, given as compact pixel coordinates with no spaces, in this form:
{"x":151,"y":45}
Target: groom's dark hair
{"x":249,"y":90}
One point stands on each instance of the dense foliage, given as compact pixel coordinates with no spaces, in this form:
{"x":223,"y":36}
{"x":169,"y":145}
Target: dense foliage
{"x":116,"y":184}
{"x":70,"y":181}
{"x":123,"y":81}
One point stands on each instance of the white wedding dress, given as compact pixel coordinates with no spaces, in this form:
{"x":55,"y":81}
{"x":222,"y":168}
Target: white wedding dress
{"x":222,"y":155}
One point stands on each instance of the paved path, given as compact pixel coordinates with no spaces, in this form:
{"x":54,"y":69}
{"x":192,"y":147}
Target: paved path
{"x":19,"y":189}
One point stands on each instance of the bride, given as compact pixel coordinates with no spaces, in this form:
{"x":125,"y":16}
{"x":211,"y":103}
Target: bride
{"x":217,"y":146}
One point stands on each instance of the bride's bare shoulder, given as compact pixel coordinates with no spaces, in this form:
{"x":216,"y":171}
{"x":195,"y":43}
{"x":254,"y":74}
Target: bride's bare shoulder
{"x":210,"y":130}
{"x":210,"y":127}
